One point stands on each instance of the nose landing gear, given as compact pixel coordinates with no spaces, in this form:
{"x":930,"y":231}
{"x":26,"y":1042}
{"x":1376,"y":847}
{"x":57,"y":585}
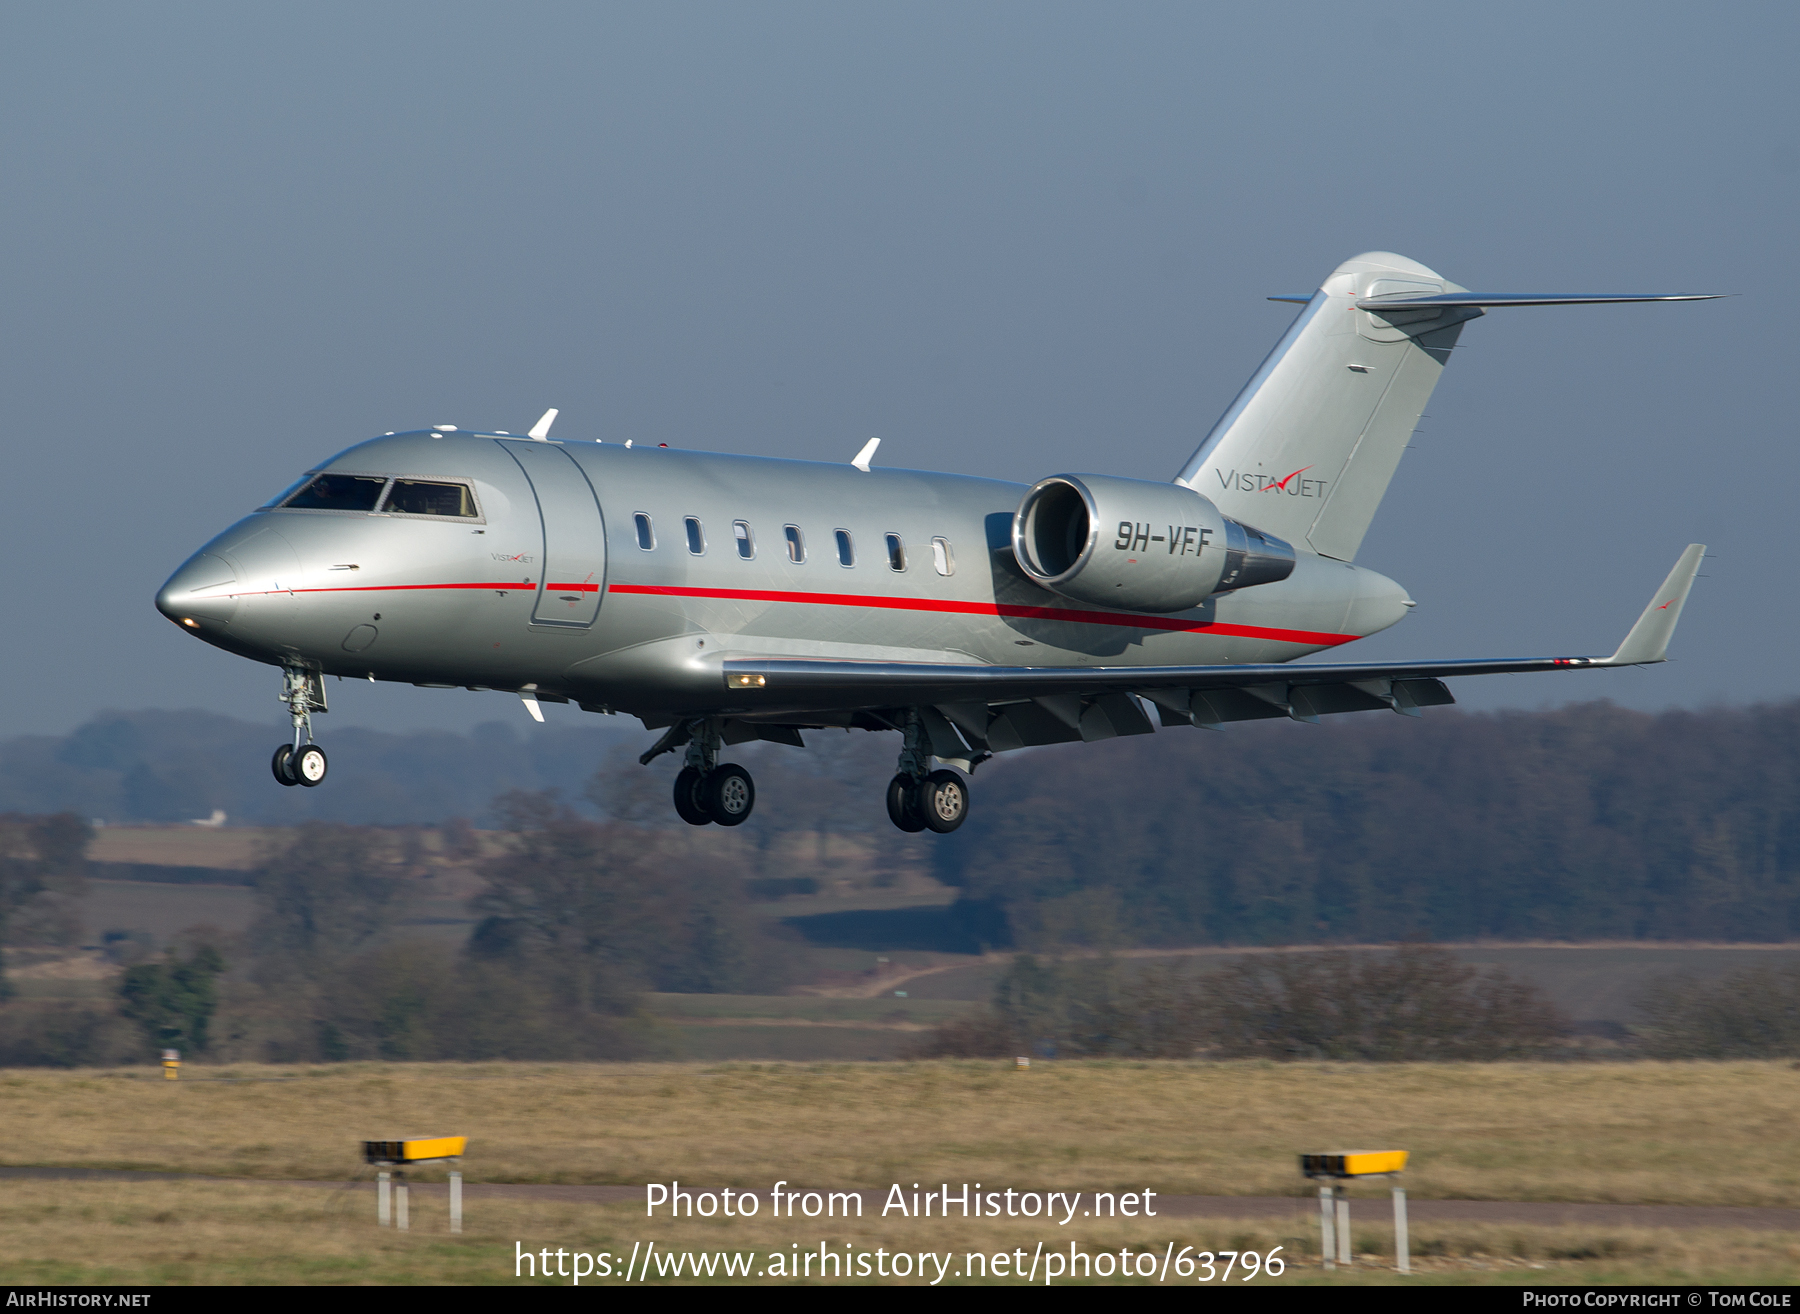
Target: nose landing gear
{"x":301,"y":762}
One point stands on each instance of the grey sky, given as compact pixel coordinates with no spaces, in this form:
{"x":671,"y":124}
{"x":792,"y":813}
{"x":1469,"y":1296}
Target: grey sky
{"x":1009,"y":239}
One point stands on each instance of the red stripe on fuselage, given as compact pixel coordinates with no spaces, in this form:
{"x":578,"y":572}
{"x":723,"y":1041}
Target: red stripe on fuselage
{"x":1008,"y":610}
{"x":401,"y":588}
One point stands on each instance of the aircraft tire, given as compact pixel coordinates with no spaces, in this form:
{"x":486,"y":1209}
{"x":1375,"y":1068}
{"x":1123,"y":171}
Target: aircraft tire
{"x":279,"y":765}
{"x":730,"y":794}
{"x":943,"y":801}
{"x":903,"y":804}
{"x":689,"y":805}
{"x":308,"y":766}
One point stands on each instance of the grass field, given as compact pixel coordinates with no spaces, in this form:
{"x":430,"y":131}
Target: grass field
{"x":179,"y":846}
{"x":1625,"y":1133}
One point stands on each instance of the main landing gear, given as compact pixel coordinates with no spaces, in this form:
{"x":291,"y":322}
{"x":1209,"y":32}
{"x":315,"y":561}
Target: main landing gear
{"x":708,"y":791}
{"x":301,"y":762}
{"x":919,"y":799}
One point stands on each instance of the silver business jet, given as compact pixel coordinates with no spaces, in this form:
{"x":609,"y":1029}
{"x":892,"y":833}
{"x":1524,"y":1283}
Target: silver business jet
{"x":722,"y":599}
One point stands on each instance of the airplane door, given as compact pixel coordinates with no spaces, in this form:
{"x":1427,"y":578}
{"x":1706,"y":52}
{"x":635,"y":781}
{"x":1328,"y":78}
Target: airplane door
{"x":573,"y":570}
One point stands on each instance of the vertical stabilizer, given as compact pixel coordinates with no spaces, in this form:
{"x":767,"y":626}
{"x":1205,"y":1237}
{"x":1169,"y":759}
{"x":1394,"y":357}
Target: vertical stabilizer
{"x":1309,"y":446}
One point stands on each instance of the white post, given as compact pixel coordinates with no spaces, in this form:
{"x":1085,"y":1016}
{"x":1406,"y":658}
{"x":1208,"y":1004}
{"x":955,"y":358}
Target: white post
{"x":1402,"y":1245}
{"x":1326,"y":1244}
{"x":456,"y":1202}
{"x":1343,"y":1225}
{"x":383,"y":1203}
{"x":400,"y":1216}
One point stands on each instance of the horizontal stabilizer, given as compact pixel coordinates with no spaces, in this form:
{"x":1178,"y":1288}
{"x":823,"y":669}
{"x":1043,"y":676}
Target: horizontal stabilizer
{"x":1649,"y":638}
{"x":1449,"y":299}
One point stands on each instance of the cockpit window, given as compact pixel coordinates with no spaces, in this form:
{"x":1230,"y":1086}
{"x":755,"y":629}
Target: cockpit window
{"x":416,"y":497}
{"x":336,"y":492}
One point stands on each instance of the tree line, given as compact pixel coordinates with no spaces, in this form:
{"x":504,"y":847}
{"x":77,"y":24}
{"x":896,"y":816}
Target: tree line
{"x":577,"y":919}
{"x":1413,"y":1004}
{"x":1587,"y":822}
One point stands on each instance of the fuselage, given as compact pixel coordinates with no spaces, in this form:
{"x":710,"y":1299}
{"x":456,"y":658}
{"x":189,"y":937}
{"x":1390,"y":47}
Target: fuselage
{"x":620,"y":578}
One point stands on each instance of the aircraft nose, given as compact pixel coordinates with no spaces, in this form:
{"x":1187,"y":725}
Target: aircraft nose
{"x":199,"y":593}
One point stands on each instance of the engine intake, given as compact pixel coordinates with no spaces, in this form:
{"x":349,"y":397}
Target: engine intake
{"x":1138,"y":545}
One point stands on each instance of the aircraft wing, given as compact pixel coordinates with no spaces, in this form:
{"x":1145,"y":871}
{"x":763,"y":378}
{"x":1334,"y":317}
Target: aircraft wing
{"x":1090,"y":702}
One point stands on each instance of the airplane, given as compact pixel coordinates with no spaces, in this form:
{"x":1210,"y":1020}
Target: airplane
{"x":722,"y":599}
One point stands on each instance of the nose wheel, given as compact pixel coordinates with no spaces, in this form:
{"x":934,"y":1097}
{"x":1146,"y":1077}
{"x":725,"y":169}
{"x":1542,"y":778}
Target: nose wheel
{"x":307,"y":767}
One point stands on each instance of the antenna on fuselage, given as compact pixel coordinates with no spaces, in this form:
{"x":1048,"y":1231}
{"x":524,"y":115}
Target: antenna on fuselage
{"x":866,"y":455}
{"x":540,"y":432}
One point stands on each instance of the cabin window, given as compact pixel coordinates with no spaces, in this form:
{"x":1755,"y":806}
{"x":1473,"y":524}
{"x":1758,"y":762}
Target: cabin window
{"x":896,"y":552}
{"x":646,"y":532}
{"x":419,"y":497}
{"x":941,"y":560}
{"x":796,"y":544}
{"x":746,"y":541}
{"x":335,"y":492}
{"x":696,"y":536}
{"x":846,"y":548}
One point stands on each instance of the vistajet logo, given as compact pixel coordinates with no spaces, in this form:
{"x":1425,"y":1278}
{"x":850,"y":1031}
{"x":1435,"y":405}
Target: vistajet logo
{"x":1254,"y":481}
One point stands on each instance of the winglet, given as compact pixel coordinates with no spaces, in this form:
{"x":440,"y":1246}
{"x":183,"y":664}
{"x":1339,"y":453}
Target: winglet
{"x":540,"y":432}
{"x":1649,"y":638}
{"x":866,"y":455}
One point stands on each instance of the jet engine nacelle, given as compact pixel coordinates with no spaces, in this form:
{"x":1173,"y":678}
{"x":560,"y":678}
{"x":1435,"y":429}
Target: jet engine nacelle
{"x":1138,"y":545}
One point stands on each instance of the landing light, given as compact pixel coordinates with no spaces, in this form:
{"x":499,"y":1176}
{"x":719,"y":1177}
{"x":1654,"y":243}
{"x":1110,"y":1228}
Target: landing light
{"x":748,"y":681}
{"x":190,"y":622}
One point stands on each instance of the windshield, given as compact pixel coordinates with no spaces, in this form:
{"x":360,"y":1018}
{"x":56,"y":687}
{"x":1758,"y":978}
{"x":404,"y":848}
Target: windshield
{"x":417,"y":497}
{"x":405,"y":497}
{"x":335,"y":492}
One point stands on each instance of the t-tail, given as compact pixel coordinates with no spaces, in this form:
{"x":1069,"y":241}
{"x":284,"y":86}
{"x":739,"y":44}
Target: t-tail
{"x":1308,"y":448}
